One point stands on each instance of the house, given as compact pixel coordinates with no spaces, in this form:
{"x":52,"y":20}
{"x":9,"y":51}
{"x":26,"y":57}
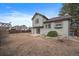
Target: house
{"x":42,"y":25}
{"x":21,"y":27}
{"x":6,"y":26}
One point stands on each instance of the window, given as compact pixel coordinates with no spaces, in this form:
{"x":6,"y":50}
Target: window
{"x":71,"y":33}
{"x":58,"y":26}
{"x":37,"y":20}
{"x":48,"y":26}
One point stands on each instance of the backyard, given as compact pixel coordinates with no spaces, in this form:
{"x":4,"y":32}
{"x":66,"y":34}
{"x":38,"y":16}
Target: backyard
{"x":25,"y":44}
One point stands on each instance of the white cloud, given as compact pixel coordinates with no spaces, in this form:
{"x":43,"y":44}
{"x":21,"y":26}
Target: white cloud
{"x":17,"y":18}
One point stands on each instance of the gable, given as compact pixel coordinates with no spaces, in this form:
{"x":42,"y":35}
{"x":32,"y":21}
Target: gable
{"x":38,"y":20}
{"x":39,"y":15}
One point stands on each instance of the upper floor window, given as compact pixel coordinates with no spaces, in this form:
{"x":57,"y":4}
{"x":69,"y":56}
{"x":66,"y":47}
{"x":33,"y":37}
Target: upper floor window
{"x":37,"y":21}
{"x":58,"y":26}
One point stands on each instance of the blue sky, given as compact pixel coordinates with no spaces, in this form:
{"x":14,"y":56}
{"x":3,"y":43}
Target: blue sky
{"x":21,"y":13}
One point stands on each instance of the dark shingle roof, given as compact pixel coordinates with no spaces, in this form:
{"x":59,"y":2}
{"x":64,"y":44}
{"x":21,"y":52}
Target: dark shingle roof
{"x":60,"y":18}
{"x":4,"y":23}
{"x":54,"y":19}
{"x":40,"y":15}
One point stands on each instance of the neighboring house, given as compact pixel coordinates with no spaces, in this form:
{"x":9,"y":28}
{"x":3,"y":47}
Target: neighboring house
{"x":75,"y":28}
{"x":22,"y":27}
{"x":42,"y":25}
{"x":7,"y":26}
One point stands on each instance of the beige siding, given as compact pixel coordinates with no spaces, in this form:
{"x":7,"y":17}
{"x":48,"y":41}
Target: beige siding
{"x":63,"y":31}
{"x":41,"y":20}
{"x":44,"y":31}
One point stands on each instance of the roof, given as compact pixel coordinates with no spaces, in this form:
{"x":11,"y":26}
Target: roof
{"x":4,"y":23}
{"x":40,"y":15}
{"x":54,"y":19}
{"x":60,"y":18}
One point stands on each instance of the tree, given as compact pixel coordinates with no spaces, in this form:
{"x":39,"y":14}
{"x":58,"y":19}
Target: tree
{"x":72,"y":9}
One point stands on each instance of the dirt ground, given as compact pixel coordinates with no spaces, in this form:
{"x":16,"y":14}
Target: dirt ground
{"x":24,"y":44}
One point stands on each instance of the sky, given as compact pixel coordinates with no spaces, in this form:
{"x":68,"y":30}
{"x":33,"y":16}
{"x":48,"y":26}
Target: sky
{"x":22,"y":13}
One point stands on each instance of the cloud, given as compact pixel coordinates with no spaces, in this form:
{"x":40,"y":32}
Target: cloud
{"x":17,"y":18}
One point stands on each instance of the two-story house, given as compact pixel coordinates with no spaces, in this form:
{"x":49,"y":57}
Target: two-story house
{"x":20,"y":27}
{"x":7,"y":26}
{"x":42,"y":25}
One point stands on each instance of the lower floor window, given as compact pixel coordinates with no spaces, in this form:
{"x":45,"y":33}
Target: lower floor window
{"x":71,"y":33}
{"x":38,"y":30}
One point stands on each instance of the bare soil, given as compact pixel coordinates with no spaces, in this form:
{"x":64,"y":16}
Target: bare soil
{"x":24,"y":44}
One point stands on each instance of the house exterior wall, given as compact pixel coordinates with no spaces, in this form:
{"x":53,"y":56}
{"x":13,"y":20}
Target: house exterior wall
{"x":66,"y":28}
{"x":22,"y":27}
{"x":33,"y":30}
{"x":41,"y":20}
{"x":34,"y":24}
{"x":63,"y":31}
{"x":7,"y":26}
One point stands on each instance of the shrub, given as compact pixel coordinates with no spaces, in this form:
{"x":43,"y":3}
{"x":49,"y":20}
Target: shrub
{"x":52,"y":34}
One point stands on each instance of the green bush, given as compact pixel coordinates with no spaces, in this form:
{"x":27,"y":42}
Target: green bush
{"x":52,"y":34}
